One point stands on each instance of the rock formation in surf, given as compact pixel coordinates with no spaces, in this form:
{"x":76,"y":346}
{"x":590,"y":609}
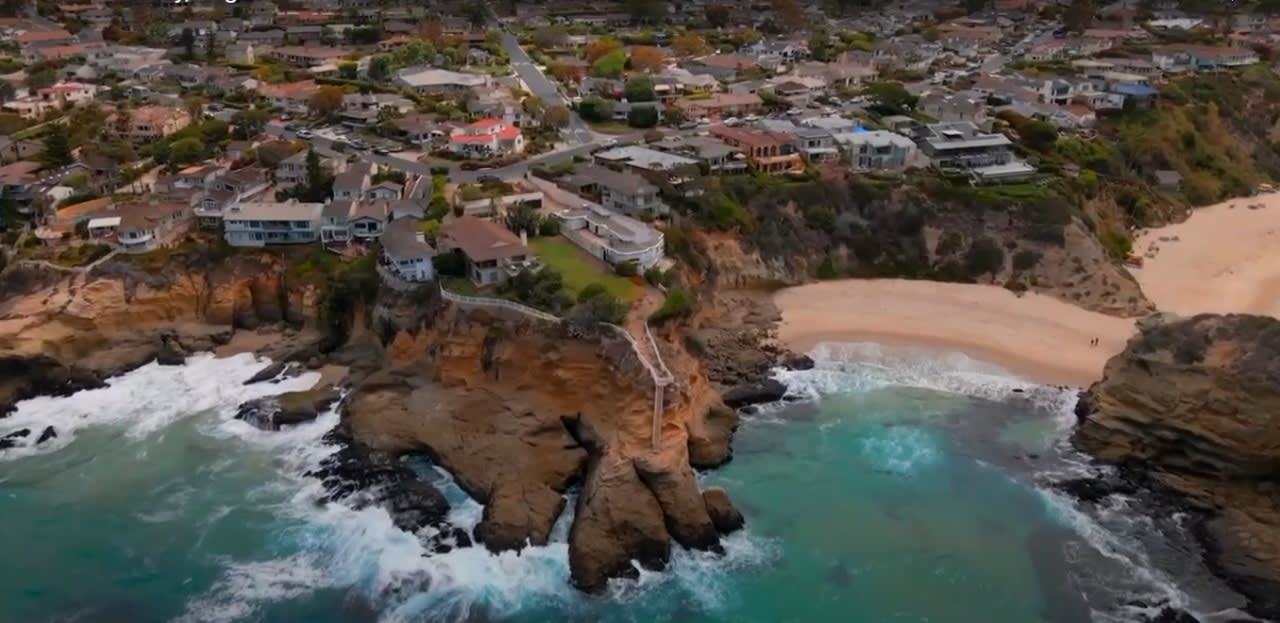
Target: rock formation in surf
{"x":519,"y":411}
{"x":1193,"y":405}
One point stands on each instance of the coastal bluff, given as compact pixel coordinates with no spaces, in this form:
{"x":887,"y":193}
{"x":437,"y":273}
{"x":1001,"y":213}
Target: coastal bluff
{"x":522,"y":412}
{"x":1192,"y":407}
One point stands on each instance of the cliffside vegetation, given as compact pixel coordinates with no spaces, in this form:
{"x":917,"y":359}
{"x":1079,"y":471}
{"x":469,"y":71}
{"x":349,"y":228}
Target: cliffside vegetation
{"x":1063,"y":231}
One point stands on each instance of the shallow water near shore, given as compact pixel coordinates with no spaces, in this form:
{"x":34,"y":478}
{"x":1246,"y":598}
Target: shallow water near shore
{"x":906,"y":486}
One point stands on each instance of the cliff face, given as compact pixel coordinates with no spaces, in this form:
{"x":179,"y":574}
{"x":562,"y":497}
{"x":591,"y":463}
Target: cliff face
{"x":924,"y":228}
{"x":520,"y":412}
{"x":89,"y":327}
{"x":1195,"y":405}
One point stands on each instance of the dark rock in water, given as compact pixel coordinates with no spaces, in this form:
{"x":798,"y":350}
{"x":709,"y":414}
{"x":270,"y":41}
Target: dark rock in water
{"x":46,"y":435}
{"x":361,"y":477}
{"x":749,"y":410}
{"x":23,"y":377}
{"x":1084,"y":405}
{"x":11,"y":440}
{"x":798,"y":362}
{"x":1018,"y":390}
{"x":276,"y":412}
{"x":724,"y":515}
{"x":171,"y":352}
{"x":1173,"y":615}
{"x":838,"y":575}
{"x":276,"y":372}
{"x":769,"y":390}
{"x":1096,"y":489}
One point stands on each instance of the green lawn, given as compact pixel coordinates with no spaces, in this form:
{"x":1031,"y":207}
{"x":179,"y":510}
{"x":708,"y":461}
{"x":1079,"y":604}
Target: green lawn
{"x":580,"y":270}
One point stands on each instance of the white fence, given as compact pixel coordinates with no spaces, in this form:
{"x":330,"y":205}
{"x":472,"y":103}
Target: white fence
{"x":480,"y":301}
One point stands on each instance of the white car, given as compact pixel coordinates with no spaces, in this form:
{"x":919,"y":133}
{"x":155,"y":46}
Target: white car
{"x":305,"y":134}
{"x":750,"y":118}
{"x":732,"y":121}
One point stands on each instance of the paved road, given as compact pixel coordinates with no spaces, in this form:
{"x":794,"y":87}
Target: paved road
{"x":324,"y":146}
{"x":539,"y":84}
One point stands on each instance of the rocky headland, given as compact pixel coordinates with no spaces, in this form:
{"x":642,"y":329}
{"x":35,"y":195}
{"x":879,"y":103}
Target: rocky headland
{"x":523,"y":413}
{"x":1190,"y":411}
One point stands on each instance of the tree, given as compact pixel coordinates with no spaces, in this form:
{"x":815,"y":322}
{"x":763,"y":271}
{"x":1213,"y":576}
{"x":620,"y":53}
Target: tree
{"x":642,"y":117}
{"x":194,"y":105}
{"x":7,"y":92}
{"x":984,"y":257}
{"x":186,"y":151}
{"x":326,"y":101}
{"x":610,"y":65}
{"x":1079,"y":15}
{"x":646,"y":10}
{"x":973,"y":6}
{"x":1038,"y":135}
{"x":379,"y":67}
{"x":319,"y":183}
{"x":412,"y":53}
{"x":891,"y":98}
{"x":188,"y":42}
{"x":690,"y":44}
{"x":555,"y":117}
{"x":476,"y":13}
{"x":717,"y":15}
{"x":639,"y":89}
{"x":820,"y":44}
{"x":348,"y":70}
{"x":601,"y":47}
{"x":596,"y":304}
{"x":551,"y":37}
{"x":595,"y":108}
{"x":562,"y":73}
{"x":523,"y":219}
{"x":250,"y":122}
{"x":57,"y":147}
{"x":41,"y":78}
{"x":647,"y":58}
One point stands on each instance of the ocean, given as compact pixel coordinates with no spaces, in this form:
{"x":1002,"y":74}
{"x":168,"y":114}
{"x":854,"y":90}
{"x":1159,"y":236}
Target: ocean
{"x":898,"y":485}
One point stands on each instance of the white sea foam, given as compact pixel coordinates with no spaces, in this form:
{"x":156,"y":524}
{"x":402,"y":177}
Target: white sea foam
{"x":841,"y":367}
{"x":146,"y":400}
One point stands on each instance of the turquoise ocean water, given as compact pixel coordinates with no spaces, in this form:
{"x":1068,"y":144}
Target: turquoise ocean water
{"x":903,"y":486}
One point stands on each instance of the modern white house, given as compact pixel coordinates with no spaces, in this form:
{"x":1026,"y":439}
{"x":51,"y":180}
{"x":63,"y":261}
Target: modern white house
{"x":405,"y":251}
{"x":610,"y":236}
{"x":487,"y":138}
{"x":256,"y":224}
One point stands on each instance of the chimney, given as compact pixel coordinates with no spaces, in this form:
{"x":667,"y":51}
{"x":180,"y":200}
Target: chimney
{"x":524,"y":238}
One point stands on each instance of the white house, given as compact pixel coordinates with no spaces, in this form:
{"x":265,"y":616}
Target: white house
{"x":256,"y":224}
{"x":487,"y":138}
{"x":405,"y":251}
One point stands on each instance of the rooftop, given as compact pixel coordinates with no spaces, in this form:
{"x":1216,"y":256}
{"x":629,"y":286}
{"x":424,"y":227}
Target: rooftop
{"x":483,"y":240}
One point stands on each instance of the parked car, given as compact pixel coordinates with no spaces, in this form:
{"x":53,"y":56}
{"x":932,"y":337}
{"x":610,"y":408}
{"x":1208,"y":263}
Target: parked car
{"x":688,"y":125}
{"x":382,"y":151}
{"x":732,"y":121}
{"x":305,"y":134}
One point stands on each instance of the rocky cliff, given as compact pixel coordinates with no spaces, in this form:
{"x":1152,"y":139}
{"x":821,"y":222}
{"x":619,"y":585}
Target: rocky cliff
{"x":522,"y":412}
{"x":1193,"y":406}
{"x":70,"y":332}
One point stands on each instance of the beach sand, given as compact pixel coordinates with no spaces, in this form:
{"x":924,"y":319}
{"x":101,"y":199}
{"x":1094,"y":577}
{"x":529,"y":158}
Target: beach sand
{"x":1225,"y":259}
{"x":1038,"y":337}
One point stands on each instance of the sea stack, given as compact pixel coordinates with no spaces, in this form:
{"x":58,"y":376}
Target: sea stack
{"x":1194,"y":405}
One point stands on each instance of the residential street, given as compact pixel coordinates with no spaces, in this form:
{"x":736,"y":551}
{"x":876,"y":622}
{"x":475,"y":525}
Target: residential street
{"x":325,"y":147}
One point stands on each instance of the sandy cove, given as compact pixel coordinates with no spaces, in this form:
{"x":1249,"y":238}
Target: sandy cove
{"x":1226,"y":258}
{"x":1040,"y":337}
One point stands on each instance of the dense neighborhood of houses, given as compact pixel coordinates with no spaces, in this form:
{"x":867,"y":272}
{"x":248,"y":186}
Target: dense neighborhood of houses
{"x":416,"y":133}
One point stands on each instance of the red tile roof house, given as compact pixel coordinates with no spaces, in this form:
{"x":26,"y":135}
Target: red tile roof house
{"x":486,"y":138}
{"x":492,"y":252}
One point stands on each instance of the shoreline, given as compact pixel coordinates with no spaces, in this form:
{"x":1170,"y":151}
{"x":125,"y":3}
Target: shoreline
{"x":1032,"y":336}
{"x":1023,"y":367}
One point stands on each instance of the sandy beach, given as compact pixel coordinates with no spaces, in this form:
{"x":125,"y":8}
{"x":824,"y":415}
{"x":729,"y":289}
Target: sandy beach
{"x":1038,"y":337}
{"x":1225,"y":258}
